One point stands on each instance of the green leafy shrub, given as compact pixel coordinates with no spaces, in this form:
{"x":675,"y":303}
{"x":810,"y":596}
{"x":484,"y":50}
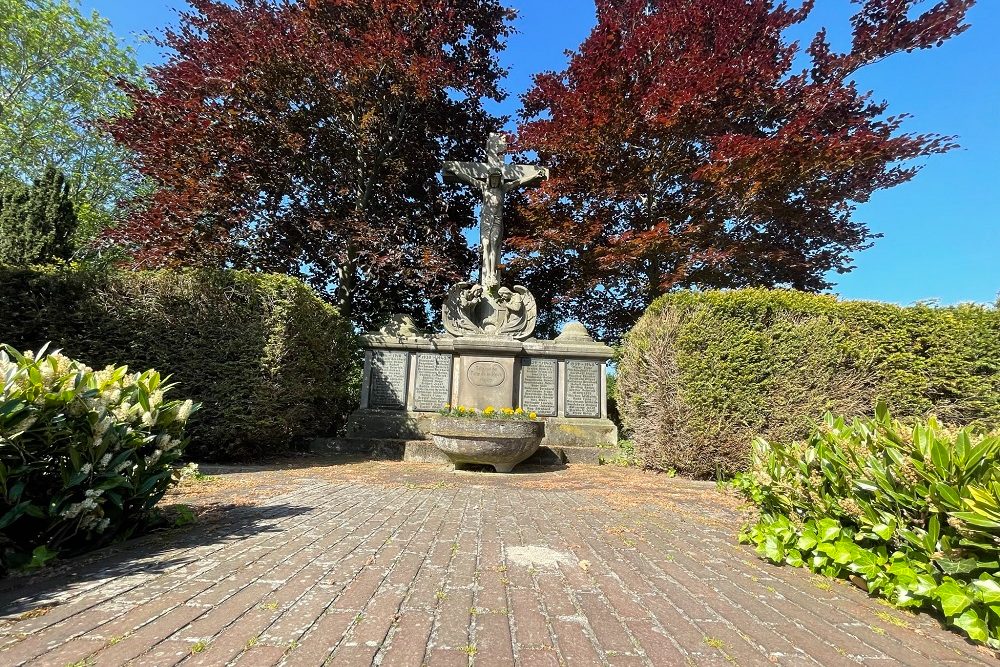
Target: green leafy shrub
{"x":912,"y":514}
{"x":270,"y":362}
{"x":84,"y":454}
{"x":703,"y":373}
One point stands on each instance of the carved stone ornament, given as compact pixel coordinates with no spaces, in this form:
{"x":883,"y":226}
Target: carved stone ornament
{"x":402,"y":326}
{"x":492,"y":180}
{"x":472,"y":310}
{"x":488,"y":309}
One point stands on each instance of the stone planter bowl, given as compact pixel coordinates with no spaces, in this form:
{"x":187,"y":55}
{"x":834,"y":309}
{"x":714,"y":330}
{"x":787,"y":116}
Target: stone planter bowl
{"x":501,"y":443}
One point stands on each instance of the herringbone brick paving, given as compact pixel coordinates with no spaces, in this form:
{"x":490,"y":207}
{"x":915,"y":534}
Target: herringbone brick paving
{"x":400,"y":564}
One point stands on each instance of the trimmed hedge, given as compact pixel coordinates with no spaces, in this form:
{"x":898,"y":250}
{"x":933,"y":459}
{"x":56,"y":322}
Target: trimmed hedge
{"x":269,"y":361}
{"x":703,"y":373}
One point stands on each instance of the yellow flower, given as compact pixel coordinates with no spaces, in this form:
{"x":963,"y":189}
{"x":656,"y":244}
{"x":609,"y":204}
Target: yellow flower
{"x":461,"y":409}
{"x":519,"y":411}
{"x":489,"y":410}
{"x":508,"y":411}
{"x":533,"y":415}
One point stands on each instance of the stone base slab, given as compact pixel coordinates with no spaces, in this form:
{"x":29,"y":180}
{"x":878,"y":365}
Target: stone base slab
{"x":424,"y":451}
{"x":561,"y":432}
{"x":370,"y":424}
{"x":374,"y":424}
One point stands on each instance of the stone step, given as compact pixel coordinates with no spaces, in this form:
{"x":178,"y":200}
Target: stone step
{"x":374,"y":448}
{"x":424,"y":451}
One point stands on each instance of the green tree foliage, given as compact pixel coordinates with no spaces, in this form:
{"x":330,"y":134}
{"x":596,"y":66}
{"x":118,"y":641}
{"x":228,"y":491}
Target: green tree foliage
{"x":37,"y":222}
{"x":59,"y":74}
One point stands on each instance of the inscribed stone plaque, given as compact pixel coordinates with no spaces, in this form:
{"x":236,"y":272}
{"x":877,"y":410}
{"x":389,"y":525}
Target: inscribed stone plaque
{"x":432,"y":385}
{"x":538,"y":386}
{"x":388,"y":381}
{"x":583,"y":389}
{"x":486,"y":374}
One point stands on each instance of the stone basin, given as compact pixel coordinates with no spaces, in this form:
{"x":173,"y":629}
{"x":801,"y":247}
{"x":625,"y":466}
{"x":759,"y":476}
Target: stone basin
{"x":501,"y":443}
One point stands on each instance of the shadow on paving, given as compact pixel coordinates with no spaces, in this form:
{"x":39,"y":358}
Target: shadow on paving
{"x":309,"y":462}
{"x":140,"y":556}
{"x":300,"y":461}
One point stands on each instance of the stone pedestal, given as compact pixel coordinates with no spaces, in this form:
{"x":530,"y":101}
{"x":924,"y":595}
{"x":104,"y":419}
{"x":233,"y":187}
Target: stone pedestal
{"x":409,"y":378}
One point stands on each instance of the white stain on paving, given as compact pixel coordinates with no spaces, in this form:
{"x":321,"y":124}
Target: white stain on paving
{"x":538,"y":556}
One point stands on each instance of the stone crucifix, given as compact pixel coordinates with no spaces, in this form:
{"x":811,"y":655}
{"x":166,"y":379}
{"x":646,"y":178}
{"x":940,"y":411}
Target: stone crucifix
{"x":493,"y":179}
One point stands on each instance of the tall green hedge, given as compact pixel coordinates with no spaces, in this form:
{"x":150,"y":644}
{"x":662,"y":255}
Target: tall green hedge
{"x":269,"y":361}
{"x":703,"y":373}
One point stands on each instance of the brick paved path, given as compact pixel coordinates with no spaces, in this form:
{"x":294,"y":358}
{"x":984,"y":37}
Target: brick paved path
{"x":411,"y":565}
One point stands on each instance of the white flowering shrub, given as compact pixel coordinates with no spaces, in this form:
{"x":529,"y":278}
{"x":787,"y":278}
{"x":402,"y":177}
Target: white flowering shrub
{"x":85,"y":455}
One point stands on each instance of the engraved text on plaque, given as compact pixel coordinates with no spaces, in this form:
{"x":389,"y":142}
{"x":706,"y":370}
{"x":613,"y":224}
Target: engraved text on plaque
{"x":538,"y":386}
{"x":388,"y":381}
{"x":583,"y":389}
{"x":486,"y":374}
{"x":432,"y":384}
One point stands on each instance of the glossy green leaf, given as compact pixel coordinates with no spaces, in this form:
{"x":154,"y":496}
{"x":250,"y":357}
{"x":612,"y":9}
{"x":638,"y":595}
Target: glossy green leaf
{"x":827,"y":529}
{"x":806,"y":541}
{"x":987,"y":589}
{"x":949,"y":495}
{"x":953,"y":597}
{"x":973,"y":624}
{"x":884,"y":531}
{"x":924,"y":586}
{"x":958,"y":566}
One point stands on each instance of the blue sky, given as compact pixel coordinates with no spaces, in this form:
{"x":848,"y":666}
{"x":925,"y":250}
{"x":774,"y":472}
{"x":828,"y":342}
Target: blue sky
{"x":941,"y":230}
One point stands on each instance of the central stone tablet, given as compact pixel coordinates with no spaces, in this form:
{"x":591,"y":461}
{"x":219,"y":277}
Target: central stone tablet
{"x":488,"y":373}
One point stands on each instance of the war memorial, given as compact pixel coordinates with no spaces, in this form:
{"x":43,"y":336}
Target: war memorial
{"x":487,"y":355}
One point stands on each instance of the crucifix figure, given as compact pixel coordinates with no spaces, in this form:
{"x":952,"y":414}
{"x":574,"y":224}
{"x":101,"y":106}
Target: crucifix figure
{"x":493,"y":179}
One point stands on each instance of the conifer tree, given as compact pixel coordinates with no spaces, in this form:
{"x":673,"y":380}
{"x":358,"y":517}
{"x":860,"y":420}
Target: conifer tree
{"x":37,"y":221}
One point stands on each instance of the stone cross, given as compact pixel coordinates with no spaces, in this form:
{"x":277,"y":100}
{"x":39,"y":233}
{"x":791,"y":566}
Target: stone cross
{"x":493,"y":178}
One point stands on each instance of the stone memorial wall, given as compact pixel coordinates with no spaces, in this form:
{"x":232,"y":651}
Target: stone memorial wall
{"x":410,"y":378}
{"x":487,"y":354}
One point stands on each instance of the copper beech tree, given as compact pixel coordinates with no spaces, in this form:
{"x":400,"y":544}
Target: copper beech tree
{"x":693,"y":144}
{"x":305,"y":137}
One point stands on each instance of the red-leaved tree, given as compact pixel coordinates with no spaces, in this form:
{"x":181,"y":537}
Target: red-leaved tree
{"x":688,"y":148}
{"x":305,"y":137}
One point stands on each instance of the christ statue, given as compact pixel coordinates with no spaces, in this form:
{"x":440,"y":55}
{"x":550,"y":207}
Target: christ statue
{"x":493,"y":179}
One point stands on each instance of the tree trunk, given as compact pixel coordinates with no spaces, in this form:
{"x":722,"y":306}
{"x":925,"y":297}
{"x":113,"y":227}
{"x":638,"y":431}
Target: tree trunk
{"x":654,"y":278}
{"x":345,"y":289}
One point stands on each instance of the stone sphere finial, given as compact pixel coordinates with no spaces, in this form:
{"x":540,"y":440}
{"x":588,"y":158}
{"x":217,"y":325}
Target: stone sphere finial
{"x":402,"y":326}
{"x":575,"y":331}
